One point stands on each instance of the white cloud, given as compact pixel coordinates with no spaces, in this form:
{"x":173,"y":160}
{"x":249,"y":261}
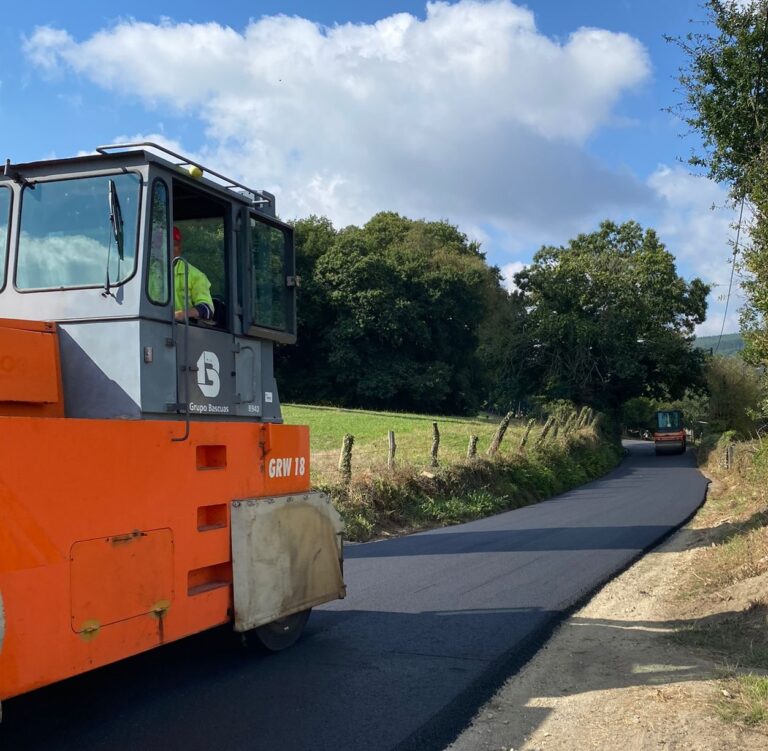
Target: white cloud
{"x":697,"y":225}
{"x":508,"y":271}
{"x":470,"y":113}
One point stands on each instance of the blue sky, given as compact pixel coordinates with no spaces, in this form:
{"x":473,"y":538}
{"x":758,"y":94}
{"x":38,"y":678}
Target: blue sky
{"x":522,"y":123}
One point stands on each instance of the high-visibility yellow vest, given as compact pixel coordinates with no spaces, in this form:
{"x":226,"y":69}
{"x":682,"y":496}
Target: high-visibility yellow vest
{"x":199,"y":288}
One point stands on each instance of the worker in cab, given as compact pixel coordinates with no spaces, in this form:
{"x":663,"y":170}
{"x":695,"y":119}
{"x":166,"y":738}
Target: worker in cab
{"x":200,"y":300}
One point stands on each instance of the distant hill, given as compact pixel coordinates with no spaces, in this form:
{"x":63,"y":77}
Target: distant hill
{"x":730,"y":345}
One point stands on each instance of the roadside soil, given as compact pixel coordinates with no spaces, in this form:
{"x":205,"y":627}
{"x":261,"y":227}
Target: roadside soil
{"x":612,"y":678}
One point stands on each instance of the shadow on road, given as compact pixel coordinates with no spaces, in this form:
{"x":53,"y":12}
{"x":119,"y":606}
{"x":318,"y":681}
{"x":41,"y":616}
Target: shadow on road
{"x":396,"y":684}
{"x":513,"y":540}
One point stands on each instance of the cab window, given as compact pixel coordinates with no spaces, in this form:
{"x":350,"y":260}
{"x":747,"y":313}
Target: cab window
{"x":78,"y":233}
{"x":669,"y":420}
{"x":5,"y":211}
{"x":270,"y":302}
{"x":157,"y":279}
{"x":199,"y":237}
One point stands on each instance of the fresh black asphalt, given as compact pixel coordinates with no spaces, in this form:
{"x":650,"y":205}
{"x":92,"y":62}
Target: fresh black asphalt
{"x":432,"y":624}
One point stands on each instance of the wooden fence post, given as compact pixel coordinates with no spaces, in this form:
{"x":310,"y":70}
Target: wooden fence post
{"x":547,"y":427}
{"x":528,"y":429}
{"x":435,"y":445}
{"x":345,"y":459}
{"x":392,"y":449}
{"x":500,"y":431}
{"x":472,"y":447}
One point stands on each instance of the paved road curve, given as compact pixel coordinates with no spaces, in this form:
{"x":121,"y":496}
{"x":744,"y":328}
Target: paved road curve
{"x":433,"y":623}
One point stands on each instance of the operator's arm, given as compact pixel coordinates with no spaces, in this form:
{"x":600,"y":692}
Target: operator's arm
{"x":201,"y":311}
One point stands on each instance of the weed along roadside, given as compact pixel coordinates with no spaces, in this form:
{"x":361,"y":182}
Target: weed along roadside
{"x":724,"y":592}
{"x":673,"y":653}
{"x":446,"y":471}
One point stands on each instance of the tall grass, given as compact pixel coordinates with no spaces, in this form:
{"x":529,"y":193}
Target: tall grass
{"x":745,"y":700}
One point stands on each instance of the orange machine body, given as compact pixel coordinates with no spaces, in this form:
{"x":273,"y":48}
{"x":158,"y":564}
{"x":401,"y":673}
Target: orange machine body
{"x":30,"y":371}
{"x":114,"y":538}
{"x":677,"y":437}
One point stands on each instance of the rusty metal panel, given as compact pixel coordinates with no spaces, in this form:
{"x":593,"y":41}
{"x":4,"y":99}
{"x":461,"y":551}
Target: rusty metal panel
{"x":120,"y":577}
{"x":286,"y":556}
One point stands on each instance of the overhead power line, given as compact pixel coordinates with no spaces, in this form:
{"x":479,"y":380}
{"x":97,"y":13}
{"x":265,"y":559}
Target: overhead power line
{"x":733,"y":269}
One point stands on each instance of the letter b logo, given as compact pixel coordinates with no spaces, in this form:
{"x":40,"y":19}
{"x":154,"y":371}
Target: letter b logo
{"x":208,"y":374}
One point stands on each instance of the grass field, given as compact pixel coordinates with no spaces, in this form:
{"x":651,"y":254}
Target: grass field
{"x":413,"y":436}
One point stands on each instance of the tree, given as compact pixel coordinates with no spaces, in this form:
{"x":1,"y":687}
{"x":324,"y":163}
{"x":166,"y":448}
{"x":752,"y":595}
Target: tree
{"x":303,"y":373}
{"x":637,"y":414}
{"x":389,"y":315}
{"x":505,"y":350}
{"x":726,"y":101}
{"x":610,"y":319}
{"x":725,"y":90}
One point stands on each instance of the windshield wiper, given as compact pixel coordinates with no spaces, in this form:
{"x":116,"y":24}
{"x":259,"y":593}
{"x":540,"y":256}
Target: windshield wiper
{"x":116,"y":218}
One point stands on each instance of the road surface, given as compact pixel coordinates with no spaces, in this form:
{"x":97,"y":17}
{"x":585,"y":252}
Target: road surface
{"x":433,"y":623}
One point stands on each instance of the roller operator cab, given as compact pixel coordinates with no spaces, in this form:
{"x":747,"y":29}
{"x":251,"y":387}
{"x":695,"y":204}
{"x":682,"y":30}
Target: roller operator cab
{"x":669,"y":432}
{"x":148,"y":486}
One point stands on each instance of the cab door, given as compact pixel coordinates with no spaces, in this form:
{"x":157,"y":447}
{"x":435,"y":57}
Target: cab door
{"x":267,"y":304}
{"x":201,"y":283}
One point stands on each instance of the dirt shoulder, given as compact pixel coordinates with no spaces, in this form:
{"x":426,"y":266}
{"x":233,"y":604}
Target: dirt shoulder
{"x":612,"y":678}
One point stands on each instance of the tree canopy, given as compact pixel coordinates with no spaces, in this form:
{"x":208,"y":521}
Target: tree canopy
{"x":389,"y":315}
{"x":406,"y":314}
{"x":725,"y":84}
{"x":609,"y":319}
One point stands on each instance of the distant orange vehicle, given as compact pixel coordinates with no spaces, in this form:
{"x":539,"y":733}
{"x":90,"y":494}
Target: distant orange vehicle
{"x":669,"y":432}
{"x":148,"y":486}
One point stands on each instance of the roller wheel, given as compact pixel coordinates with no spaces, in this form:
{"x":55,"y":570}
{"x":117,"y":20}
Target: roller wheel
{"x":282,"y":633}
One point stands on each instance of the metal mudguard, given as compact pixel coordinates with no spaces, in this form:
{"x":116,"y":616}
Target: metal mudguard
{"x":287,"y":554}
